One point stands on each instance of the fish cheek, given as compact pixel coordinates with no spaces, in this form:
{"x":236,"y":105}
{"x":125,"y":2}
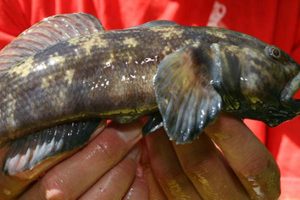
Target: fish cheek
{"x":260,"y":86}
{"x":232,"y":72}
{"x":226,"y":73}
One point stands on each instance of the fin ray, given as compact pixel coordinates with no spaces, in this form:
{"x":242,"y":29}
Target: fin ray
{"x":46,"y":33}
{"x":26,"y":153}
{"x":186,"y":98}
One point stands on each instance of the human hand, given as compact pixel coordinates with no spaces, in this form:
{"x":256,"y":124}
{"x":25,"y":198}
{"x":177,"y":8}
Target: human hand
{"x":104,"y":169}
{"x":239,"y":168}
{"x":168,"y":170}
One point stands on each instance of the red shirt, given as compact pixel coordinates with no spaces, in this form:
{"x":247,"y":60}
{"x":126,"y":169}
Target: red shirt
{"x":273,"y":21}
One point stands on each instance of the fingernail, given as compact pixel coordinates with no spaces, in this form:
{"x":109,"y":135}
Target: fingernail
{"x":129,"y":132}
{"x":102,"y":125}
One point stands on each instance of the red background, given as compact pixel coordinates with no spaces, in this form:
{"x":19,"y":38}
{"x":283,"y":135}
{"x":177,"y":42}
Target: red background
{"x":273,"y":21}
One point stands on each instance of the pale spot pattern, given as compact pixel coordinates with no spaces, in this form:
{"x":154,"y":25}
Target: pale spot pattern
{"x":130,"y":42}
{"x":69,"y":76}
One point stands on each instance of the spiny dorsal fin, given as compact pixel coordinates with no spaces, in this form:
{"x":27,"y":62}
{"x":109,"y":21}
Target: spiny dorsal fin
{"x":46,"y":33}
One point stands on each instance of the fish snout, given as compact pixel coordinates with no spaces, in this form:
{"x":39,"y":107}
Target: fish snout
{"x":288,"y":98}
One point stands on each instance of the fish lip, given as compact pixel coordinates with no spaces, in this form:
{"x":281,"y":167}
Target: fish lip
{"x":295,"y":106}
{"x":288,"y":93}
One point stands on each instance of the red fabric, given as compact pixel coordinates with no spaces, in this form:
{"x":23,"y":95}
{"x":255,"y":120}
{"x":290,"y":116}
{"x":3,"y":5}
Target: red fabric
{"x":274,"y":21}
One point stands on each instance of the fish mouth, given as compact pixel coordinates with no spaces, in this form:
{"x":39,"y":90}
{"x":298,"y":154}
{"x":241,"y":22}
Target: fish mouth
{"x":288,"y":98}
{"x":296,"y":105}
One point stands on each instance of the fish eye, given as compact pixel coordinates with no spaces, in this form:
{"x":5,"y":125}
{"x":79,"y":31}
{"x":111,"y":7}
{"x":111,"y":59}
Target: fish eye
{"x":273,"y":52}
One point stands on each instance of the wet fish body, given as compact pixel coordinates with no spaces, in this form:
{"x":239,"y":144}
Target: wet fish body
{"x":185,"y":75}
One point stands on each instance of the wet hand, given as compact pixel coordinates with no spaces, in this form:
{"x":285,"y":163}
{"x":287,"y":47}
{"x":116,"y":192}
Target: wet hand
{"x":104,"y":169}
{"x":239,"y":167}
{"x":228,"y":162}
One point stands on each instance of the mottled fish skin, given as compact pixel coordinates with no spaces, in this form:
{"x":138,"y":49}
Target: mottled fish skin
{"x":254,"y":88}
{"x":104,"y":74}
{"x":109,"y":74}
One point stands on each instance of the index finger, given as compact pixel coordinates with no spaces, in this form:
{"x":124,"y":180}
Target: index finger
{"x":247,"y":156}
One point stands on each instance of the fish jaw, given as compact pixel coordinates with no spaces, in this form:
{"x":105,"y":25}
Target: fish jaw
{"x":289,"y":91}
{"x":255,"y":85}
{"x":288,"y":107}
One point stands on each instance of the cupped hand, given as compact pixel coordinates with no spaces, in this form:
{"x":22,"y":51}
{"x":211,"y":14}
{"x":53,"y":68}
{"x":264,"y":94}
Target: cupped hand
{"x":228,"y":162}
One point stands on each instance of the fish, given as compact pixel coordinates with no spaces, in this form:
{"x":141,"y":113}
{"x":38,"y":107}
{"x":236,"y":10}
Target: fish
{"x":65,"y":74}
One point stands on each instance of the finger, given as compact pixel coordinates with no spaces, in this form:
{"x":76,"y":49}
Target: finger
{"x":139,"y":188}
{"x":115,"y":183}
{"x":74,"y":176}
{"x":203,"y":165}
{"x":155,"y":191}
{"x":167,"y":169}
{"x":249,"y":158}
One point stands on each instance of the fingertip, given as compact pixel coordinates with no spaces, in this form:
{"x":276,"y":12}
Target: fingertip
{"x":99,"y":129}
{"x":127,"y":132}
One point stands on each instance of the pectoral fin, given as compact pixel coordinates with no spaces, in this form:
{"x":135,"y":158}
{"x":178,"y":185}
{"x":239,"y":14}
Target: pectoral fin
{"x":185,"y":95}
{"x":28,"y":152}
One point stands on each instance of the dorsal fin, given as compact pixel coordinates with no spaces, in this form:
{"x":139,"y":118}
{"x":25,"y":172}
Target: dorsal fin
{"x":46,"y":33}
{"x":159,"y":23}
{"x":156,"y":23}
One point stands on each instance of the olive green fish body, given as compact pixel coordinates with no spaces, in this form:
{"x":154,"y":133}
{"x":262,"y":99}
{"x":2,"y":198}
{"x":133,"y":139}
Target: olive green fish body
{"x":109,"y":74}
{"x":183,"y":77}
{"x":102,"y":75}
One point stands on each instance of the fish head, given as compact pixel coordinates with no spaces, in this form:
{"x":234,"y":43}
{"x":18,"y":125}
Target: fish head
{"x":258,"y":81}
